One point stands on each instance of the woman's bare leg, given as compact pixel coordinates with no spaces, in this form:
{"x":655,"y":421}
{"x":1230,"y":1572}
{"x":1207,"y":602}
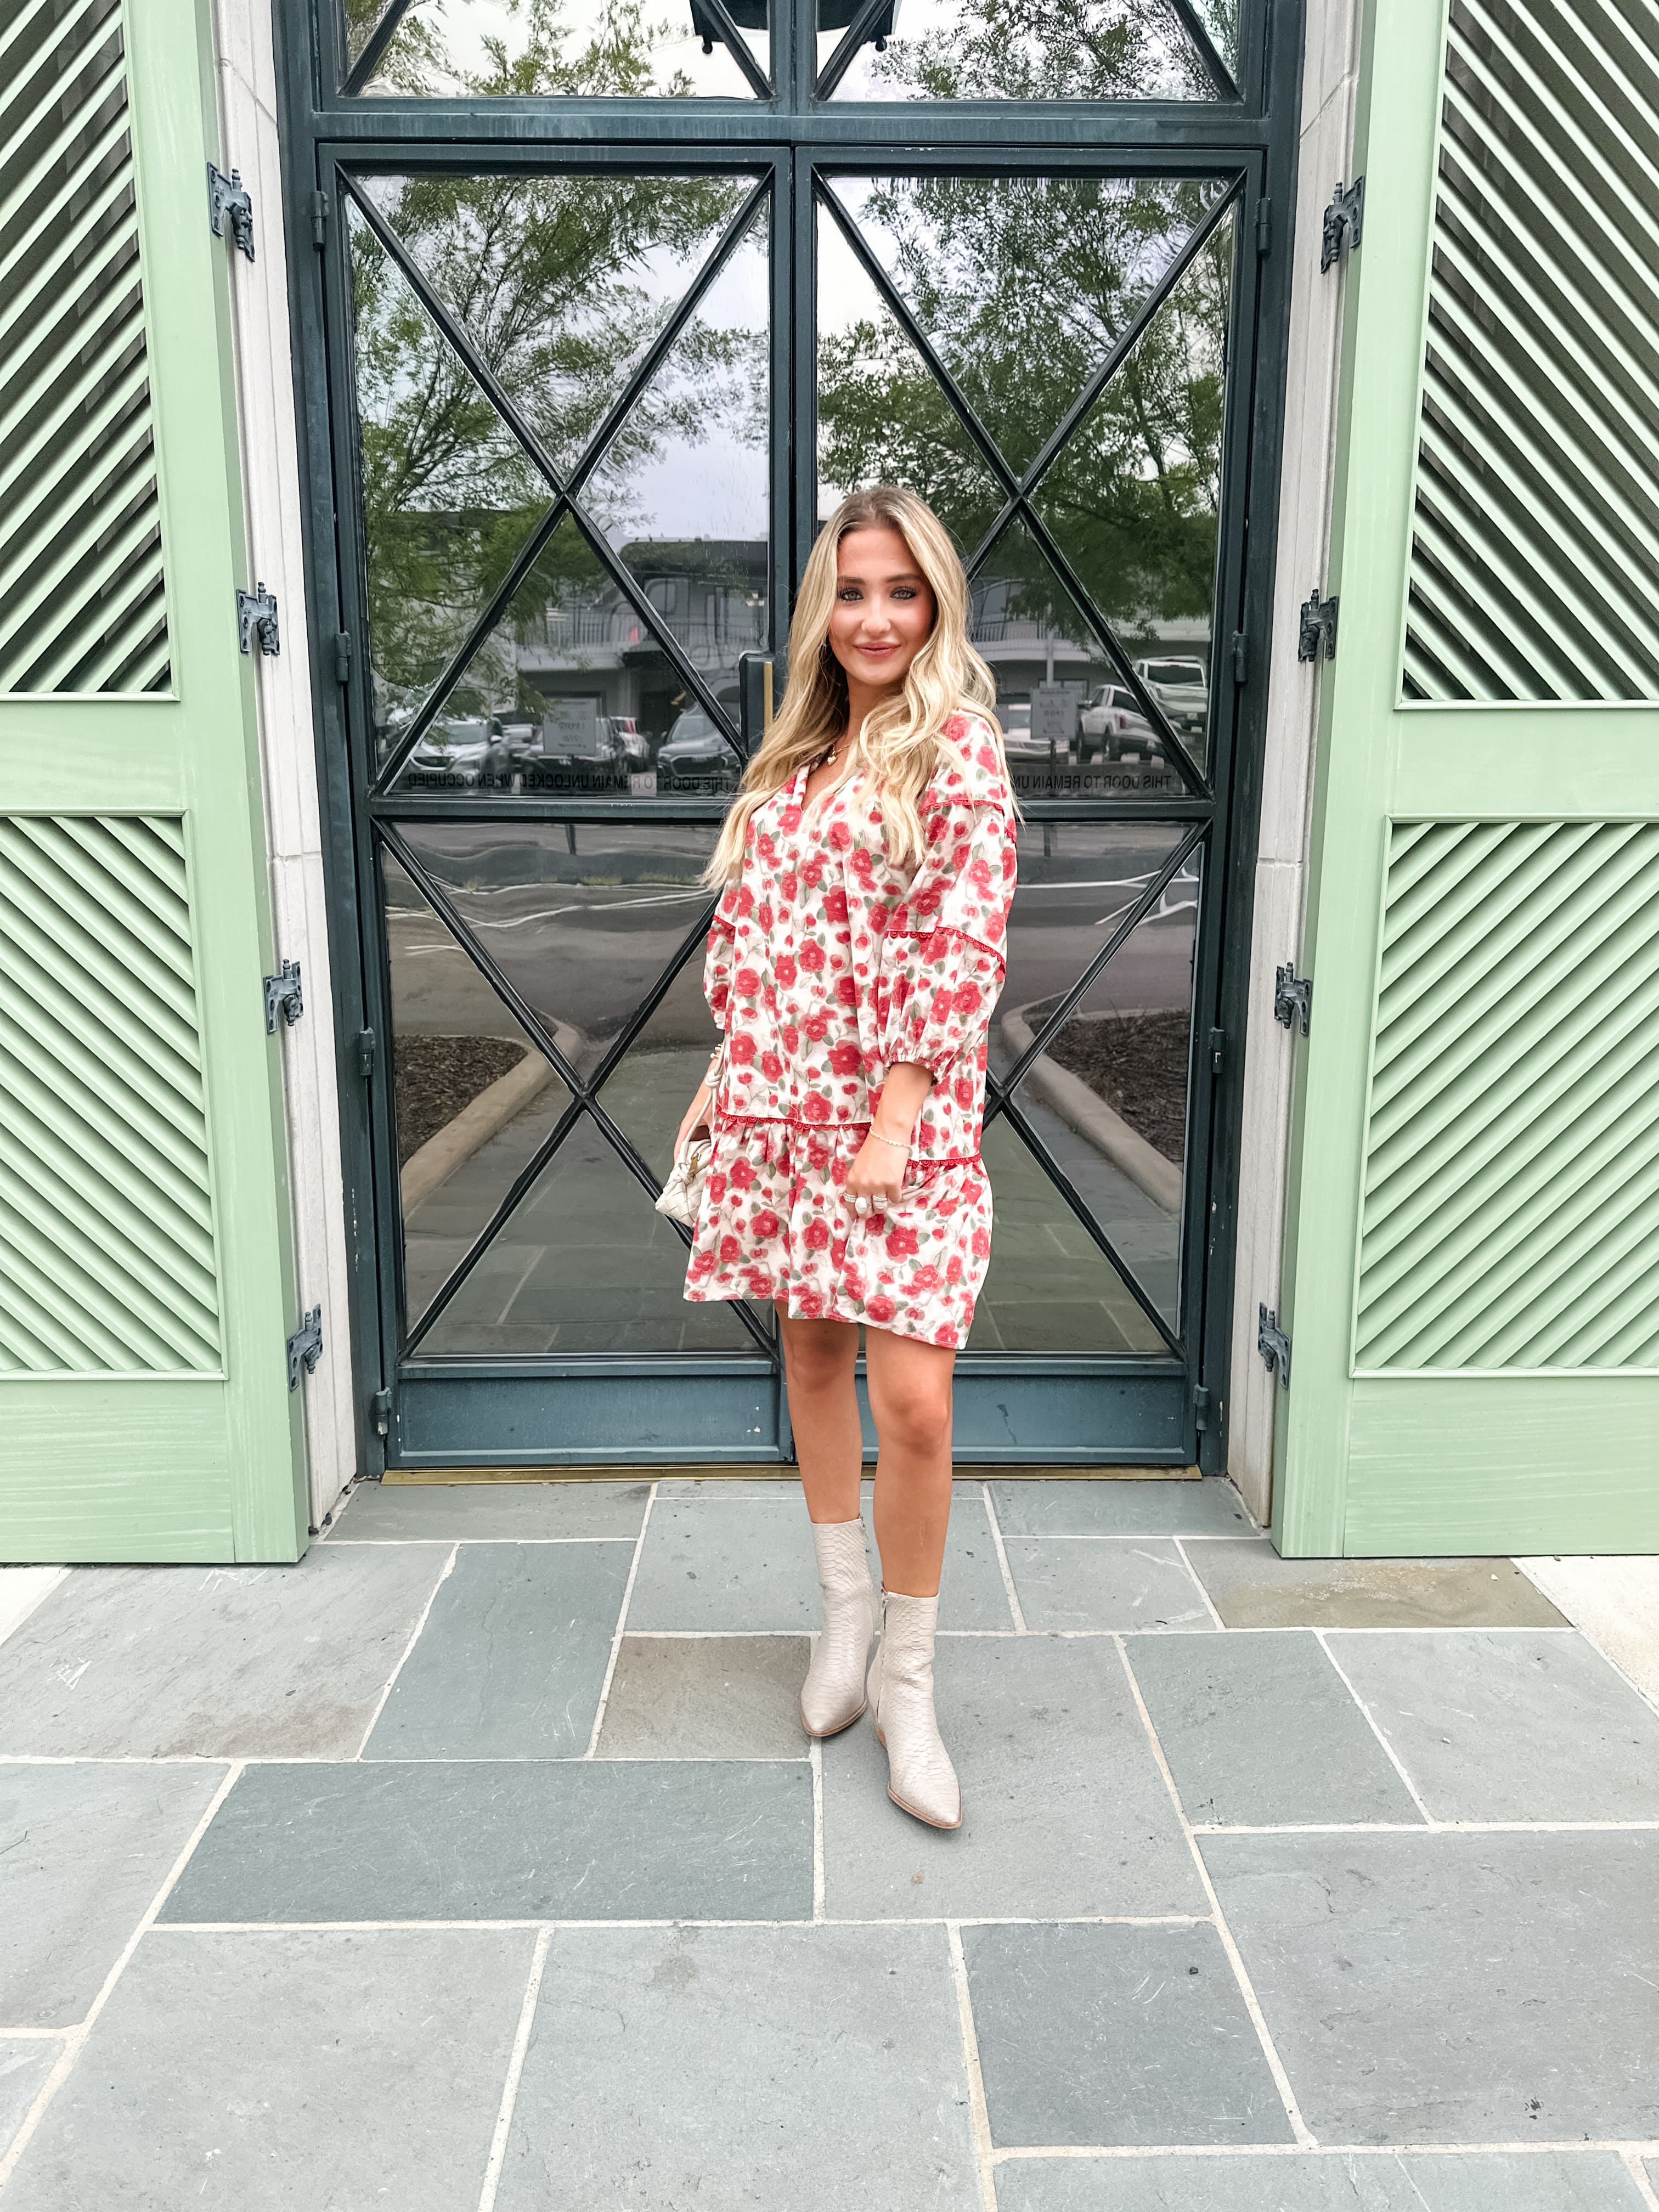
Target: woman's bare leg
{"x":819,"y":1357}
{"x":910,"y":1398}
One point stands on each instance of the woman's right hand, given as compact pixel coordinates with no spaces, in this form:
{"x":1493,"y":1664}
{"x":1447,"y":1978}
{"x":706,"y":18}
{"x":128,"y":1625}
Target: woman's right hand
{"x":697,"y":1117}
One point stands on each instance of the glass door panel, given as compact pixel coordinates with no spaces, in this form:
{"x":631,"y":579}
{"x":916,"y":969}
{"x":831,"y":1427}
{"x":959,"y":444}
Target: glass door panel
{"x":562,"y":387}
{"x":508,"y":50}
{"x":1029,"y":49}
{"x":1045,"y":360}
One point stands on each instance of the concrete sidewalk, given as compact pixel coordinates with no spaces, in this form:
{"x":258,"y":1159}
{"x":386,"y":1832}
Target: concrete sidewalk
{"x":478,"y":1861}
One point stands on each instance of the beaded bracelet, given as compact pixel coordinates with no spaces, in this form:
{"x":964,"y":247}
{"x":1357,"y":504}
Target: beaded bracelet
{"x":899,"y":1144}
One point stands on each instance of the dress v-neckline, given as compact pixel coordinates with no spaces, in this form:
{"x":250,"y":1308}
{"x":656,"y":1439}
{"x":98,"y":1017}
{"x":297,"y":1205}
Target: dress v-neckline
{"x":804,"y":776}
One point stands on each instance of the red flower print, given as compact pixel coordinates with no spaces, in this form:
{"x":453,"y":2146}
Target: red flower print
{"x":714,"y":1190}
{"x":955,"y":728}
{"x":827,"y":963}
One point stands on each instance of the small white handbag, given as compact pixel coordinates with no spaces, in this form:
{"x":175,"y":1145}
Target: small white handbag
{"x":682,"y":1195}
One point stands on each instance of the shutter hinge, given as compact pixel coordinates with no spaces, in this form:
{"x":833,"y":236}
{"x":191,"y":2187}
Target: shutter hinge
{"x":1217,"y":1050}
{"x":1318,"y":627}
{"x":1292,"y":995}
{"x":363,"y":1048}
{"x":381,"y":1405}
{"x":256,"y":617}
{"x":283,"y":996}
{"x":1264,"y":226}
{"x":1201,"y":1408}
{"x":1346,"y":212}
{"x":1273,"y":1345}
{"x":343,"y":656}
{"x":230,"y":195}
{"x":320,"y":220}
{"x":305,"y":1346}
{"x":1240,"y":658}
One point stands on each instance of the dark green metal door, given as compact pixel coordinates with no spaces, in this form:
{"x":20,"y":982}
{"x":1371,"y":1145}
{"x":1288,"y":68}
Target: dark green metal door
{"x":608,"y":311}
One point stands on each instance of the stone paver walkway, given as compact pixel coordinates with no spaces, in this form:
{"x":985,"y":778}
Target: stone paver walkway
{"x":477,"y":1861}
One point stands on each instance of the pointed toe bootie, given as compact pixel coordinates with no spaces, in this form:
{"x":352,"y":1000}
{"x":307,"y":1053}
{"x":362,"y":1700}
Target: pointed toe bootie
{"x":832,"y":1696}
{"x":920,"y":1779}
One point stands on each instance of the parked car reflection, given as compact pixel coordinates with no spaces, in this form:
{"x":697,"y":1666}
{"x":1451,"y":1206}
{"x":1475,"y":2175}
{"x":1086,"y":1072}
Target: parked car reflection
{"x":465,"y":750}
{"x":1181,"y":689}
{"x":696,"y":756}
{"x":1112,"y":726}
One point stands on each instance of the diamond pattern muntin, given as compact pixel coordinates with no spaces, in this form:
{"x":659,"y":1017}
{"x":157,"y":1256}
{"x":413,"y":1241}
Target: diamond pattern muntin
{"x":1009,"y":514}
{"x":1022,"y":506}
{"x":491,"y":557}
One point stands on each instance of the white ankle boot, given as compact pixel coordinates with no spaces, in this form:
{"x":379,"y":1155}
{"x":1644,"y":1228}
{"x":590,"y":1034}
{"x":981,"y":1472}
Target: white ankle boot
{"x":832,"y":1696}
{"x":920,"y":1779}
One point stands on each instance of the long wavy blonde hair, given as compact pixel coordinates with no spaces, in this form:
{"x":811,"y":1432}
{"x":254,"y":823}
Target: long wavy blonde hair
{"x":899,"y":744}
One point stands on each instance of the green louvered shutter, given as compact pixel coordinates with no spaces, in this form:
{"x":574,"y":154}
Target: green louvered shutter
{"x":144,"y":1292}
{"x":1472,"y":1290}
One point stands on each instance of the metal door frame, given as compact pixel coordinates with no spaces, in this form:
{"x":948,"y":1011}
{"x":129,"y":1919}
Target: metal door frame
{"x":792,"y":138}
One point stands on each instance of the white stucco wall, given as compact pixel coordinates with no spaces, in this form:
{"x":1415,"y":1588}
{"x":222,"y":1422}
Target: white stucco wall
{"x":270,"y":479}
{"x":1330,"y":83}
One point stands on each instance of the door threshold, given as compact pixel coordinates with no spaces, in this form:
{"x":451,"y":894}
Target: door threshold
{"x":764,"y":1471}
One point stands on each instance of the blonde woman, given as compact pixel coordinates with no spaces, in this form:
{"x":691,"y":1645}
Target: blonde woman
{"x":868,"y":864}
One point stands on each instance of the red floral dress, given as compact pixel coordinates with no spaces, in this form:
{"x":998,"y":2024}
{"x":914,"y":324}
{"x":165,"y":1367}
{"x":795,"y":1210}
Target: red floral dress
{"x":827,"y":965}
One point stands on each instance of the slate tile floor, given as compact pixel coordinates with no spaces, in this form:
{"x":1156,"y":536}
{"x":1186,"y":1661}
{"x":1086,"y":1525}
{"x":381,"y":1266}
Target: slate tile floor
{"x":476,"y":1864}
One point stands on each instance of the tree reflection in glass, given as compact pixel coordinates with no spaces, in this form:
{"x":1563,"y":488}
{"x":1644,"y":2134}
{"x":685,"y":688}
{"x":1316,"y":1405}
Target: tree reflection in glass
{"x":553,"y":48}
{"x":1038,"y":50}
{"x":1028,"y":289}
{"x":558,"y":285}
